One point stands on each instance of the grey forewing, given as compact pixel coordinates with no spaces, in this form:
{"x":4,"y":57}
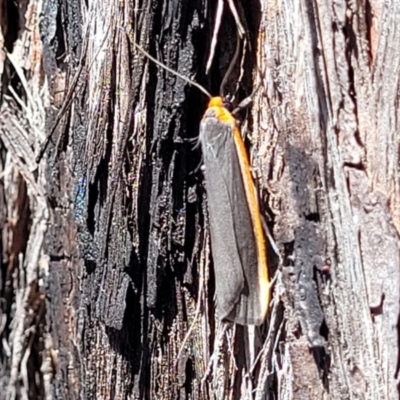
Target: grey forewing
{"x":232,"y":237}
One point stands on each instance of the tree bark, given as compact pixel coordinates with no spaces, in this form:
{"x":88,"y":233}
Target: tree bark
{"x":107,"y":283}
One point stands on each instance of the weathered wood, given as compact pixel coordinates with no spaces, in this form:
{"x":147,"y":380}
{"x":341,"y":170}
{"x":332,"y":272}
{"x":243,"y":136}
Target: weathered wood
{"x":320,"y":114}
{"x":106,"y":281}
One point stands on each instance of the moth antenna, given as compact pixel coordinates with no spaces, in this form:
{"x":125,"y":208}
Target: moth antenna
{"x":231,"y":66}
{"x":184,"y":78}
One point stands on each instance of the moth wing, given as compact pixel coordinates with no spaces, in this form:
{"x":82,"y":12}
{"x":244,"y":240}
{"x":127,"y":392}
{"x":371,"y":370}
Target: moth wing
{"x":232,"y":238}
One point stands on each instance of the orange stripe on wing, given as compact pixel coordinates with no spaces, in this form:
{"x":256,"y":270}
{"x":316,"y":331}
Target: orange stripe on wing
{"x":254,"y":208}
{"x":220,"y":112}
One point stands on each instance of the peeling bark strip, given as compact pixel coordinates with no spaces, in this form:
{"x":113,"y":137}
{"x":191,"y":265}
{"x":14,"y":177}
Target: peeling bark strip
{"x":320,"y":112}
{"x":100,"y":283}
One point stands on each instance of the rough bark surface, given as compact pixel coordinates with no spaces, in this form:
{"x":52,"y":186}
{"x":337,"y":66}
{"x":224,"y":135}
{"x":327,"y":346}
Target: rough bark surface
{"x":107,"y":284}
